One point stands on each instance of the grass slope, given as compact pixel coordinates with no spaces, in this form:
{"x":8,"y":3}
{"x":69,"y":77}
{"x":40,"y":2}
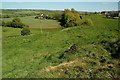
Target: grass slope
{"x":38,"y":55}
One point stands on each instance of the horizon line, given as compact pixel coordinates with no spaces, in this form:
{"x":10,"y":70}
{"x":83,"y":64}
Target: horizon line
{"x":54,"y":9}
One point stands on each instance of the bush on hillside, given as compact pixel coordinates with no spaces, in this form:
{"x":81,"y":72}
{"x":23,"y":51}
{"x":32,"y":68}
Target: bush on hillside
{"x":113,"y":48}
{"x":6,"y":16}
{"x":16,"y":20}
{"x":15,"y":23}
{"x":88,"y":22}
{"x":25,"y":31}
{"x":2,"y":23}
{"x":70,"y":18}
{"x":71,"y":50}
{"x":8,"y":24}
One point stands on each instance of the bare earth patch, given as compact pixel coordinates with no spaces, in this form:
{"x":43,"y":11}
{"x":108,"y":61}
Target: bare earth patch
{"x":64,"y":64}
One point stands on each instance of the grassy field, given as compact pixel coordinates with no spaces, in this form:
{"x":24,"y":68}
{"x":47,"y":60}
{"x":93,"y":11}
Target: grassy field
{"x":43,"y":55}
{"x":37,"y":23}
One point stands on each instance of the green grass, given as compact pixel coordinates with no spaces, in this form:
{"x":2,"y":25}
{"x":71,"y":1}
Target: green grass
{"x":37,"y":23}
{"x":27,"y":56}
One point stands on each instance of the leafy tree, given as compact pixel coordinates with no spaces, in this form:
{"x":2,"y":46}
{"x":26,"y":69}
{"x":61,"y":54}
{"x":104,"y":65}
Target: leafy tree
{"x":70,"y":18}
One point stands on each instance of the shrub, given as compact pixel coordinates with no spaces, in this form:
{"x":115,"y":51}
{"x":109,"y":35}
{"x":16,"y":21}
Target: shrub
{"x":89,"y":22}
{"x":78,"y":22}
{"x":73,"y":49}
{"x":8,"y":24}
{"x":2,"y":23}
{"x":113,"y":48}
{"x":70,"y":18}
{"x":6,"y":16}
{"x":25,"y":31}
{"x":16,"y":20}
{"x":15,"y":23}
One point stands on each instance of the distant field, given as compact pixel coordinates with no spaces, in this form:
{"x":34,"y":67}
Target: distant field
{"x":37,"y":23}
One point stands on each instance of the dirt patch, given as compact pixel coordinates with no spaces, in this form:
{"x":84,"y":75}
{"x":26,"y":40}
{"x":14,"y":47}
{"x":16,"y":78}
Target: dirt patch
{"x":65,"y":64}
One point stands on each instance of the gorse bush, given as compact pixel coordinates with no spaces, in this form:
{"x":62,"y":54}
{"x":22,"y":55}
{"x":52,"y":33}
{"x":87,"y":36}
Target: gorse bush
{"x":25,"y":31}
{"x":88,"y":22}
{"x":70,"y":18}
